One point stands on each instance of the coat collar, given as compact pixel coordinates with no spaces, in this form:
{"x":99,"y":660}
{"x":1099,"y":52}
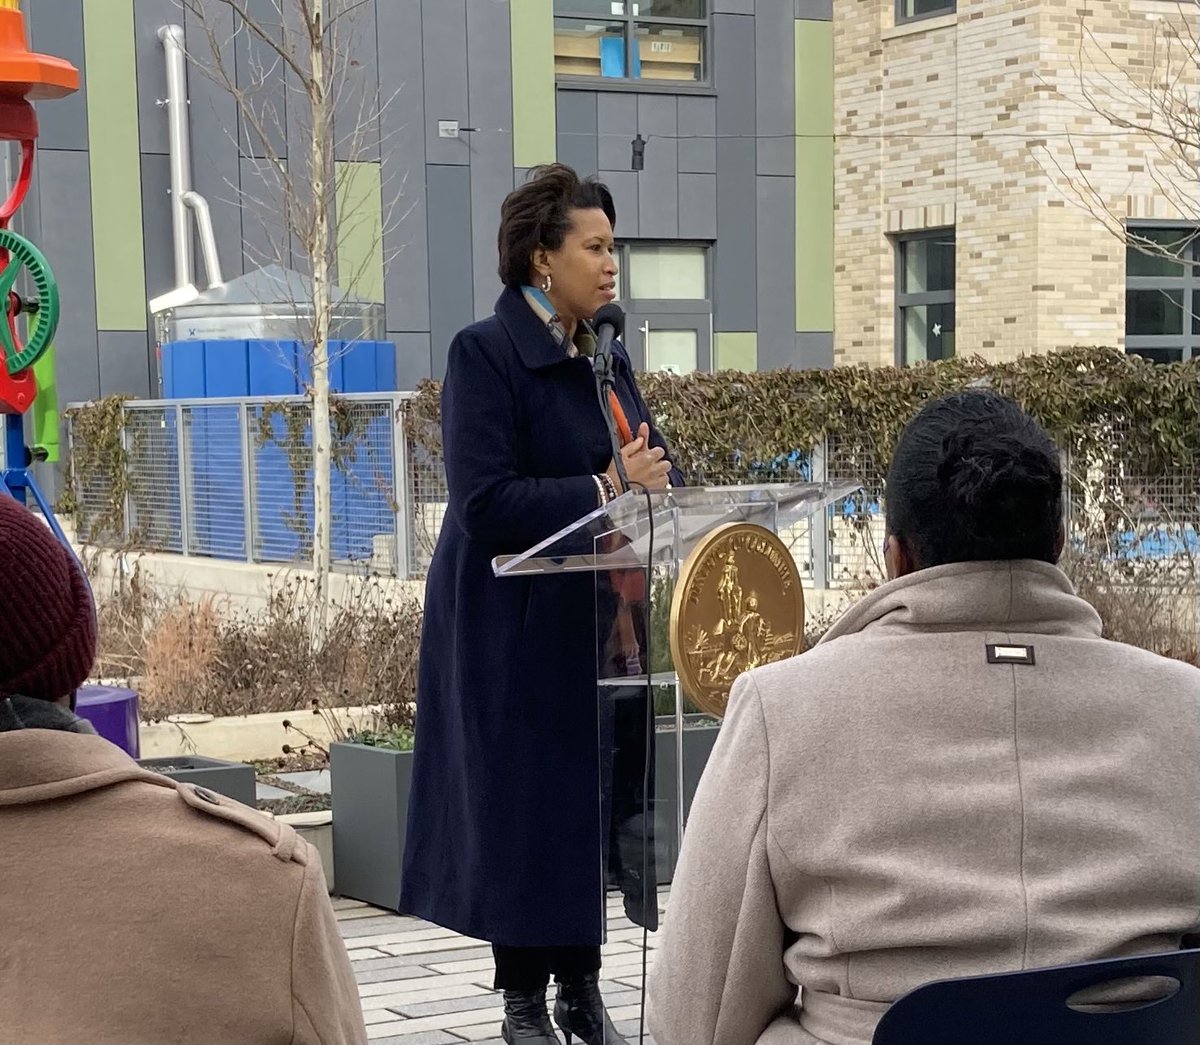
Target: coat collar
{"x":1020,"y":596}
{"x":533,"y":342}
{"x":40,"y":764}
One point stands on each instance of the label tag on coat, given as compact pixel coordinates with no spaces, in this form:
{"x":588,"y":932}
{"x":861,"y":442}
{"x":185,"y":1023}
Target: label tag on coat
{"x":1009,"y":654}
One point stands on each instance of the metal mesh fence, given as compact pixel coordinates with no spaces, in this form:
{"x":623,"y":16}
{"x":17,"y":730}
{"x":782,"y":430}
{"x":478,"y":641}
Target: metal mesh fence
{"x":233,"y":479}
{"x":854,"y":548}
{"x":213,"y":484}
{"x":154,"y":510}
{"x":425,"y":502}
{"x":363,"y":486}
{"x":280,"y":480}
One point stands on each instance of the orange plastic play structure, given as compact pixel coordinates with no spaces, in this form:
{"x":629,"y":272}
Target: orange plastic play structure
{"x":26,"y":76}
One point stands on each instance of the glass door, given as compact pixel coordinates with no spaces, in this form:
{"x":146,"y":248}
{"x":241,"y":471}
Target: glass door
{"x":678,"y":344}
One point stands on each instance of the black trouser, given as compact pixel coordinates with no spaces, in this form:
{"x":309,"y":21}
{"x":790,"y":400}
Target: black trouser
{"x":528,"y":969}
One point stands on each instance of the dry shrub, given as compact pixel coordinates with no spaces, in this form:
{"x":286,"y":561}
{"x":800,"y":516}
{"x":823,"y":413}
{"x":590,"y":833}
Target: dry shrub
{"x":180,"y":656}
{"x":1151,"y":604}
{"x":241,"y":663}
{"x":188,"y":656}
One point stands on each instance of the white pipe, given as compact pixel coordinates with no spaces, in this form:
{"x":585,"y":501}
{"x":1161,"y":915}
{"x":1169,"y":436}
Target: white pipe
{"x":208,"y":239}
{"x":180,"y":146}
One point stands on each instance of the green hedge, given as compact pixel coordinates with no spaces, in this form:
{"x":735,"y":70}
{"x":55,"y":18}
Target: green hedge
{"x":1100,"y":404}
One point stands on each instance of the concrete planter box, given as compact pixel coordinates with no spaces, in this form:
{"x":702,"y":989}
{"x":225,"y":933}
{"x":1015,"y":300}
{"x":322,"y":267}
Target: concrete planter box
{"x":232,"y":779}
{"x":370,"y":809}
{"x":370,"y":816}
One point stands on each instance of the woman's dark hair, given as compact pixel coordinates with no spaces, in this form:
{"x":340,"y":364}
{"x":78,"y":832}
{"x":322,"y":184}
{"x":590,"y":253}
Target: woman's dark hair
{"x":539,"y":214}
{"x":975,"y":478}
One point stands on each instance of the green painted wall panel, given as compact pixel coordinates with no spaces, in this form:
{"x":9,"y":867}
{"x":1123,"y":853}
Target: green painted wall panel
{"x":814,"y":176}
{"x":110,"y":86}
{"x":532,"y":25}
{"x":360,"y":229}
{"x":737,"y":350}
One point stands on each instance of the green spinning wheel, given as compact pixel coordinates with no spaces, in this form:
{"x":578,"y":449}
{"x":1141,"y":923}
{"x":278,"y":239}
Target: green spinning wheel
{"x":24,"y":256}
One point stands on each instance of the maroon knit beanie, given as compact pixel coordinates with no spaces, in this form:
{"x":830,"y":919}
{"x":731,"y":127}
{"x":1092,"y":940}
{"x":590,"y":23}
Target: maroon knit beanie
{"x":48,"y":642}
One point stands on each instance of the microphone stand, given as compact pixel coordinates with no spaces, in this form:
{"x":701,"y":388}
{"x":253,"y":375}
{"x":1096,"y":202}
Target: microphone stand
{"x":602,"y":368}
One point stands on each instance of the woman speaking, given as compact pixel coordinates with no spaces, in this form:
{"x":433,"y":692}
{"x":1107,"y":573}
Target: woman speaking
{"x":505,"y":841}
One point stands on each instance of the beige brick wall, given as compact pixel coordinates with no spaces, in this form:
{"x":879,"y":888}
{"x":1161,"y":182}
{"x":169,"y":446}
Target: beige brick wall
{"x":986,"y":120}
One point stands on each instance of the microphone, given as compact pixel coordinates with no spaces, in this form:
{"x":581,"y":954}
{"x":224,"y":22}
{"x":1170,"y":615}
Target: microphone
{"x":608,"y":322}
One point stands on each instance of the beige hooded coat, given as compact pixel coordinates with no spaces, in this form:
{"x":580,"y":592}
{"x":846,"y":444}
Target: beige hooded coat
{"x":891,"y":808}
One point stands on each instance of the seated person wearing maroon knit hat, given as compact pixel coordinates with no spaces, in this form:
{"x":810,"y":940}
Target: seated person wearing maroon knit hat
{"x":137,"y":909}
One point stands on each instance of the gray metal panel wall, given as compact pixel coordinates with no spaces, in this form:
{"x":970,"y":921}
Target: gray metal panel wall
{"x":698,"y":206}
{"x":489,"y":79}
{"x":578,"y":143}
{"x":776,"y":272}
{"x":451,"y":301}
{"x":216,"y":173}
{"x":148,"y":17}
{"x":815,"y":10}
{"x":445,"y":71}
{"x":56,"y":27}
{"x":124,"y":363}
{"x":355,"y":125}
{"x":775,"y":95}
{"x":260,"y":74}
{"x":737,"y":7}
{"x":735,"y":304}
{"x":814,"y":349}
{"x":156,"y":228}
{"x":403,"y":176}
{"x":658,"y":184}
{"x":616,"y":124}
{"x":65,"y":237}
{"x":413,"y":363}
{"x":265,"y":233}
{"x":697,"y":135}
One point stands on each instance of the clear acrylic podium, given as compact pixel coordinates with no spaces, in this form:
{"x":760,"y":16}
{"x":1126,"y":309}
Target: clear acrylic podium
{"x":653,"y":742}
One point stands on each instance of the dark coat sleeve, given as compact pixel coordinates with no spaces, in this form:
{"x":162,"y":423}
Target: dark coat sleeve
{"x":491,"y":500}
{"x":676,"y":476}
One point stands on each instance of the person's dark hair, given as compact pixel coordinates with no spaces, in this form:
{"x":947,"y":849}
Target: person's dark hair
{"x":539,"y":214}
{"x":975,"y":478}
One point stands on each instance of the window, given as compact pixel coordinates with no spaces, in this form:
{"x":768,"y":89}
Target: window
{"x":631,"y":39}
{"x":1162,"y":296}
{"x":668,"y":319}
{"x":912,"y":10}
{"x":925,"y":296}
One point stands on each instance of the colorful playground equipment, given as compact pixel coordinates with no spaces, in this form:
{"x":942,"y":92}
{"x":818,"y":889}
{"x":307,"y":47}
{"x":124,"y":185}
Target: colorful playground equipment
{"x":27,"y":285}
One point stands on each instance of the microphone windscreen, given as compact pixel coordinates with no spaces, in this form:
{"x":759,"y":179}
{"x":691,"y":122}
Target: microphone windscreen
{"x":610,"y":314}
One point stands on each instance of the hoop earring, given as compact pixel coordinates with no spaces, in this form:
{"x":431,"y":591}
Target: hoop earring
{"x":547,"y":283}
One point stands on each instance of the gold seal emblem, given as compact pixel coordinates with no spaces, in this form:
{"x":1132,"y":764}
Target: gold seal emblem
{"x":737,"y":605}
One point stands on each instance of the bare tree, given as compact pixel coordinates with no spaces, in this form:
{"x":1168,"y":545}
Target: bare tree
{"x":299,"y":51}
{"x":1140,"y":102}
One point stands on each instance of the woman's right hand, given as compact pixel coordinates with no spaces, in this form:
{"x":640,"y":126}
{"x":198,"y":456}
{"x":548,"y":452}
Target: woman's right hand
{"x":645,"y":465}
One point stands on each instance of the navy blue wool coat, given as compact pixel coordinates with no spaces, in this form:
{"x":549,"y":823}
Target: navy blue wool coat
{"x":504,"y":825}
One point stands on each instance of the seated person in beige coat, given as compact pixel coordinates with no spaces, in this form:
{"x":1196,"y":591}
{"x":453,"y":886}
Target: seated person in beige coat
{"x":136,"y":909}
{"x":962,"y":778}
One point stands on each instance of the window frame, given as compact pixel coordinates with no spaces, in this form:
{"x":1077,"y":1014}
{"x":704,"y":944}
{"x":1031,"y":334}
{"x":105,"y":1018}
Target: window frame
{"x":630,"y":22}
{"x":909,"y":299}
{"x":948,"y":7}
{"x":1188,"y":340}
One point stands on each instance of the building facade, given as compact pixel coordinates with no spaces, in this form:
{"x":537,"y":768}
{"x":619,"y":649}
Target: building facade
{"x":725,"y":231}
{"x":992,"y":157}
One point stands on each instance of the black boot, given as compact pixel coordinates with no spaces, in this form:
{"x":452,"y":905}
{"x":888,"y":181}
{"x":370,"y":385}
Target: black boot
{"x":526,"y":1021}
{"x":580,"y":1013}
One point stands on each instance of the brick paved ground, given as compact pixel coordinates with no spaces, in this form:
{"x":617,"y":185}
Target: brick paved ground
{"x":424,"y":985}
